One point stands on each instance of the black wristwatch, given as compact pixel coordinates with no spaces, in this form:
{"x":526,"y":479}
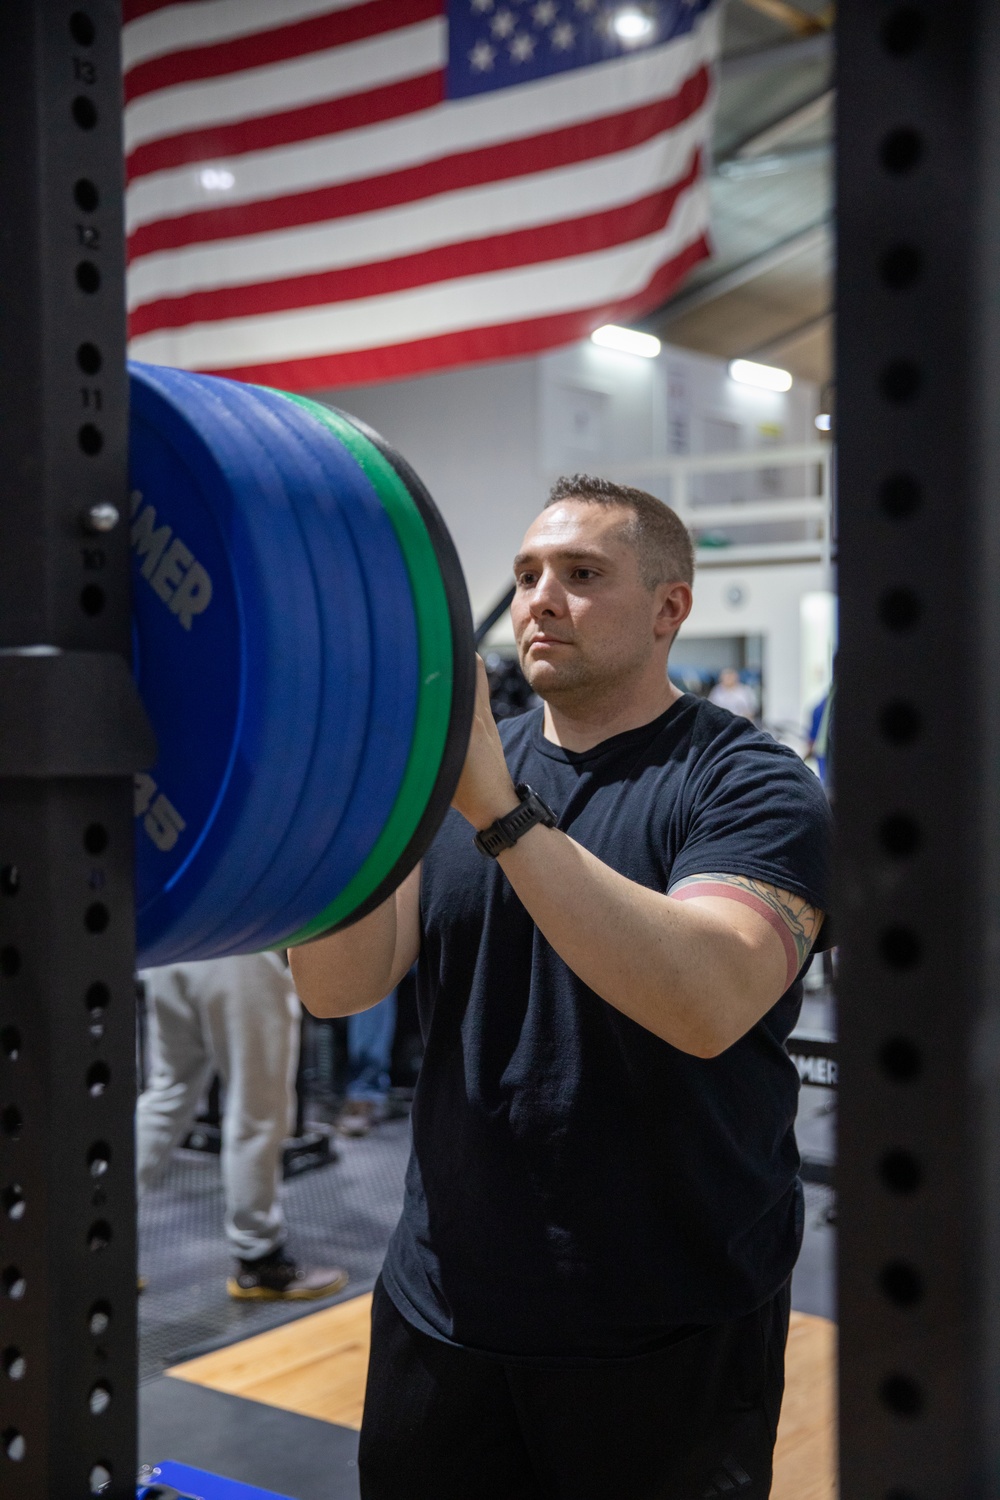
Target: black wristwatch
{"x":505,"y":832}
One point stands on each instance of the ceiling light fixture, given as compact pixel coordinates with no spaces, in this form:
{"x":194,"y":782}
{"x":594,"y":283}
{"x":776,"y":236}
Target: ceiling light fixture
{"x":764,"y":377}
{"x":824,"y":421}
{"x":631,"y":25}
{"x":626,"y":340}
{"x":216,"y":179}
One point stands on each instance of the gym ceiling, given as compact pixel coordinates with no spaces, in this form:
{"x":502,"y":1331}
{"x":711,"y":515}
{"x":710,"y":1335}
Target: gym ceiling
{"x":767,"y":293}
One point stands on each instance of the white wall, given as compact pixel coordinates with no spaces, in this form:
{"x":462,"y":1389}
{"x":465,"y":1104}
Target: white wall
{"x":488,"y":440}
{"x":766,"y":601}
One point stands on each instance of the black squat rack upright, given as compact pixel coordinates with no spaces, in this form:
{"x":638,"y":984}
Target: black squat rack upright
{"x":917,"y":748}
{"x":71,"y":734}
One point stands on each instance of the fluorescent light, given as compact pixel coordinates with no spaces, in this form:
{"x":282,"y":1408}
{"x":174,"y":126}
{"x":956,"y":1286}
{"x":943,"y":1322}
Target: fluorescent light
{"x":631,"y":25}
{"x":765,"y":377}
{"x":216,"y":179}
{"x":627,"y":340}
{"x":823,"y":421}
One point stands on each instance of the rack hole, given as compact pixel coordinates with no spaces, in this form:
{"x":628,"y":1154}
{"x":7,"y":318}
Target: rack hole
{"x":99,"y":1399}
{"x":92,"y":599}
{"x":900,"y":947}
{"x":903,"y":31}
{"x":900,"y":1171}
{"x":14,"y":1283}
{"x":100,"y":1479}
{"x":15,"y":1366}
{"x":99,"y":1319}
{"x":899,"y":609}
{"x":95,"y":838}
{"x":98,"y":1078}
{"x":11,"y":1122}
{"x":97,"y":998}
{"x":902,"y":1395}
{"x":89,"y":358}
{"x":901,"y":266}
{"x":98,"y":1236}
{"x":900,"y":722}
{"x":90,"y":439}
{"x":901,"y":1283}
{"x":88,"y":277}
{"x":900,"y":495}
{"x":81,"y":28}
{"x":96,"y":917}
{"x":10,"y":1043}
{"x":99,"y":1158}
{"x":901,"y":380}
{"x":901,"y":1059}
{"x":14,"y":1445}
{"x":14,"y":1204}
{"x":900,"y":835}
{"x":84,"y":112}
{"x":901,"y":150}
{"x":10,"y":960}
{"x":85,"y":195}
{"x":10,"y":880}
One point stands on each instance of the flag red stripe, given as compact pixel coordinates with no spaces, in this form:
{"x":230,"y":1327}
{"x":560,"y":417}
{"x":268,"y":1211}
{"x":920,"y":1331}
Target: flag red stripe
{"x":497,"y":163}
{"x":469,"y":346}
{"x":260,"y":133}
{"x":499,"y":252}
{"x":280,"y":44}
{"x":133,"y":9}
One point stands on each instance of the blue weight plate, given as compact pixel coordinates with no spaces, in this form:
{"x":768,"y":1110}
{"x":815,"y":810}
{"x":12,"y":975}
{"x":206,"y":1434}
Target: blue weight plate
{"x":350,"y":786}
{"x":229,"y":675}
{"x":395,"y":671}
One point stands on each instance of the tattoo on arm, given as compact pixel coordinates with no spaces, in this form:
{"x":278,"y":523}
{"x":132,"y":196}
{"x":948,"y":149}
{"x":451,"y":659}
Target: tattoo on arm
{"x":795,"y":921}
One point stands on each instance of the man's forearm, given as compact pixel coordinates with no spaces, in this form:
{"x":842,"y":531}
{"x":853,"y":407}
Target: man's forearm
{"x":352,"y":969}
{"x":675,"y":968}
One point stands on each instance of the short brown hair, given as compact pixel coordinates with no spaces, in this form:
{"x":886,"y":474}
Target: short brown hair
{"x":657,"y":533}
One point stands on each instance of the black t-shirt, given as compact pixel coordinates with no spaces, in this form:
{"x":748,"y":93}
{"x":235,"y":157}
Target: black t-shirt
{"x":577,"y":1186}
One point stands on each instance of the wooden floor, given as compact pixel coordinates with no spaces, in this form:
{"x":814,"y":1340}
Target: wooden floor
{"x":316,"y":1366}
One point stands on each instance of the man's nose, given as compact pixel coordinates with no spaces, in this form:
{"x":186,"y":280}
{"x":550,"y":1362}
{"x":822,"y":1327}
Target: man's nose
{"x":546,"y":595}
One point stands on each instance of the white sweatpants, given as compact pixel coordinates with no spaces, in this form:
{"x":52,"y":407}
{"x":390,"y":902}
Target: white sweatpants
{"x":238,"y":1017}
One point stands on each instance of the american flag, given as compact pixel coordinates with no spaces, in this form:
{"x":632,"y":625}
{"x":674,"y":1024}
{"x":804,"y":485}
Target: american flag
{"x":322,"y":192}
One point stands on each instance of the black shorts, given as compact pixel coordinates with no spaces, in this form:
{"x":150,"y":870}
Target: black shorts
{"x":695,"y":1420}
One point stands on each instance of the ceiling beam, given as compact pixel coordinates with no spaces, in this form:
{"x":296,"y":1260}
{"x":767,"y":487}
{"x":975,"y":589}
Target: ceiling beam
{"x":774,"y":346}
{"x":801,"y":22}
{"x":803,"y":49}
{"x":812,"y":112}
{"x":812,"y":237}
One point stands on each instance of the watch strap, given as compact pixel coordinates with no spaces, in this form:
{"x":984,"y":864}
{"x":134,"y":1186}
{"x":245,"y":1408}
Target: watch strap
{"x":505,"y":832}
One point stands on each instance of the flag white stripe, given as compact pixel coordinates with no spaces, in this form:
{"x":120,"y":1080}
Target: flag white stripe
{"x":178,"y":27}
{"x":468,"y":124}
{"x":471,"y":302}
{"x":470,"y":213}
{"x":349,"y":69}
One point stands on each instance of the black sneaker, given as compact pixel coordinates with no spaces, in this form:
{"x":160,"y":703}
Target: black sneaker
{"x":277,"y":1278}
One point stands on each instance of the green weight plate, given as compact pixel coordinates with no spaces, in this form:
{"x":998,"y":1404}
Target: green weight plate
{"x":431,"y":728}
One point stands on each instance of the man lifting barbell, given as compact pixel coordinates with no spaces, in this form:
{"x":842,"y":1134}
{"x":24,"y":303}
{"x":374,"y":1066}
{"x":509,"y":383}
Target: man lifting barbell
{"x":587,"y":1294}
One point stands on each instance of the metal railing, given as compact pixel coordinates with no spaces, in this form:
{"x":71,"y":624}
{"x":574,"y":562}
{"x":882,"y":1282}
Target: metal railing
{"x":714,"y":519}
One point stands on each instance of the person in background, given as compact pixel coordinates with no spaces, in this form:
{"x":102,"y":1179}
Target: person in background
{"x":729,"y":692}
{"x":238,"y":1017}
{"x":370,"y":1035}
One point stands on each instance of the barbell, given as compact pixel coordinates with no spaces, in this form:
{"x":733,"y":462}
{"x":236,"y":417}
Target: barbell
{"x":303,"y":647}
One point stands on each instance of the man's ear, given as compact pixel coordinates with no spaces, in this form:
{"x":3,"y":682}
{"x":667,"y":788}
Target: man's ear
{"x":675,"y":600}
